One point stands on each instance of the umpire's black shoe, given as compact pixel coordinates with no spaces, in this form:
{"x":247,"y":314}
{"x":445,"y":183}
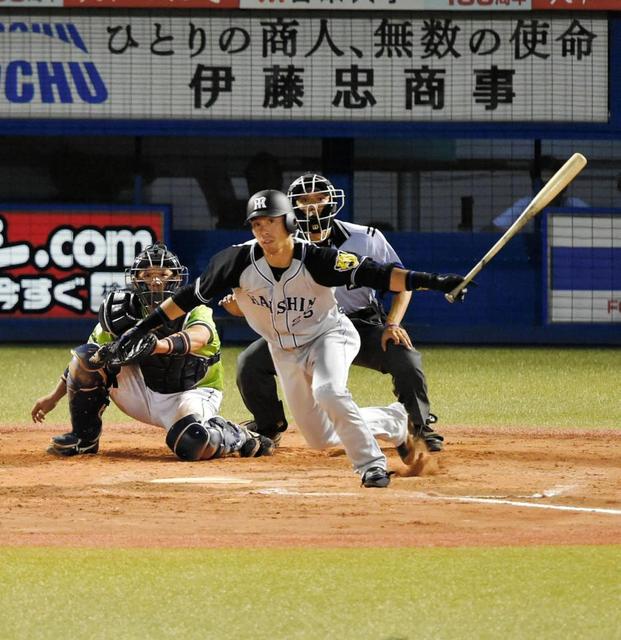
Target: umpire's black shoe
{"x":69,"y":445}
{"x":376,"y":477}
{"x":273,"y":432}
{"x":434,"y":441}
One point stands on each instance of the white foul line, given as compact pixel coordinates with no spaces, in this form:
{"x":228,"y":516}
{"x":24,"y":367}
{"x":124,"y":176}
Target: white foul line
{"x":534,"y":505}
{"x":481,"y":500}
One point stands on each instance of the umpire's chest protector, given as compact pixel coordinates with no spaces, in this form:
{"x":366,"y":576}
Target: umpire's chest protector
{"x":290,"y":311}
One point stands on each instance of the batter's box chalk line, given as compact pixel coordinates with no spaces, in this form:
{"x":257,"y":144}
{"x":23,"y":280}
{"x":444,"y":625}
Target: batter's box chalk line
{"x":513,"y":501}
{"x":202,"y":480}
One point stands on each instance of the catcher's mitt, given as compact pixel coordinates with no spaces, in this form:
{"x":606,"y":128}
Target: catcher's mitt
{"x":125,"y":352}
{"x":134,"y":352}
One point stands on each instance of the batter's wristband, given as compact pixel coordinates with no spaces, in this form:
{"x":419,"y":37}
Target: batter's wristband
{"x":419,"y":280}
{"x":388,"y":325}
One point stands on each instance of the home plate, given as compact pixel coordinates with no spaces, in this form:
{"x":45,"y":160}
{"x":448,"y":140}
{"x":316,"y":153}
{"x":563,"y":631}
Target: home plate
{"x":202,"y":480}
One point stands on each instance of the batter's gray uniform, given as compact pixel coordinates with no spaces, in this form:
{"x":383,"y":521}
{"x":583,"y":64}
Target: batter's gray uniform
{"x":311,"y":341}
{"x":255,"y":371}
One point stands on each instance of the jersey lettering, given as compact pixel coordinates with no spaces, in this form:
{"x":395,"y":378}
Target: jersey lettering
{"x":261,"y":301}
{"x":296,"y":303}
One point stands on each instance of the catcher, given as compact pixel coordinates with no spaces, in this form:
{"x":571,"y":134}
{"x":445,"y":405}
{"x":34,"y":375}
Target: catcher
{"x":172,"y":378}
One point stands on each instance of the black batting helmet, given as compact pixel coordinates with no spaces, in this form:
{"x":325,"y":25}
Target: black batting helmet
{"x":273,"y":204}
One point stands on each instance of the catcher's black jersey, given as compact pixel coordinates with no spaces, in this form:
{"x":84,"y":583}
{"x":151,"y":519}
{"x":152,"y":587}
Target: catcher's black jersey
{"x":289,"y":307}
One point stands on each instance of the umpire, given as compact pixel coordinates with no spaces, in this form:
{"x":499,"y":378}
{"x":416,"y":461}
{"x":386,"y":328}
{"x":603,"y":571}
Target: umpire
{"x":385,"y":345}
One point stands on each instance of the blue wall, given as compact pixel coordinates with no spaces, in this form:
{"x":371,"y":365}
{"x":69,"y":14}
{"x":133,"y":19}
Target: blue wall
{"x":505,"y":307}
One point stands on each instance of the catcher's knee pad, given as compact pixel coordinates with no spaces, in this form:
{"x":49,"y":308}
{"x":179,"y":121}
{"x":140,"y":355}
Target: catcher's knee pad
{"x":189,"y":439}
{"x":88,"y":397}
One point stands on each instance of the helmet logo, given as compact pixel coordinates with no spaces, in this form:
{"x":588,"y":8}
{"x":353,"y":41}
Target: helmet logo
{"x":260,"y":203}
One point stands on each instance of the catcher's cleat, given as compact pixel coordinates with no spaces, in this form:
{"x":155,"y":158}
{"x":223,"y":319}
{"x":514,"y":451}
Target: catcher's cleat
{"x":376,"y":477}
{"x":256,"y":446}
{"x":273,"y":432}
{"x":69,"y":445}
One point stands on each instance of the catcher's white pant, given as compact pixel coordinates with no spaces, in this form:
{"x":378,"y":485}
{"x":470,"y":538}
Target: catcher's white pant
{"x":134,"y":398}
{"x":314,"y":381}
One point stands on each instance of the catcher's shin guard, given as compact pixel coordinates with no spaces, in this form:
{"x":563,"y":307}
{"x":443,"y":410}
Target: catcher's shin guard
{"x":191,"y":439}
{"x":88,"y":398}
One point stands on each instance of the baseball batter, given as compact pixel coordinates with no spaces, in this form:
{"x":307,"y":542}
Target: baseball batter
{"x":385,"y":345}
{"x":284,"y":286}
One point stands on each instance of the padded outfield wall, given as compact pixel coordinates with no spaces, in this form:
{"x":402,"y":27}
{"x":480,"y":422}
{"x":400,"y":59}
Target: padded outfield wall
{"x":409,"y":111}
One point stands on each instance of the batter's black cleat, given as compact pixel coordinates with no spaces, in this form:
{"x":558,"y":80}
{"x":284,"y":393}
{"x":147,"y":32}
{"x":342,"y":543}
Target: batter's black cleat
{"x":256,"y":446}
{"x":69,"y":445}
{"x":376,"y":477}
{"x":273,"y":432}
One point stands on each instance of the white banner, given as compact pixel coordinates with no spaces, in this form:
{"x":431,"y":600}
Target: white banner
{"x":584,"y":268}
{"x":292,"y":66}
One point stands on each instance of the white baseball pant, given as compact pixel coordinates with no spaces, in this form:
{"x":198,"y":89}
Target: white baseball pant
{"x":135,"y":399}
{"x":314,"y":381}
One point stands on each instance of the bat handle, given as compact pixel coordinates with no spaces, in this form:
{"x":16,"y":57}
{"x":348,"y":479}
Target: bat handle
{"x":450,"y":297}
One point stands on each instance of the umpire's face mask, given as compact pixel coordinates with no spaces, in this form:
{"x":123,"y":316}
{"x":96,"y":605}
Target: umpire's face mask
{"x":314,"y":216}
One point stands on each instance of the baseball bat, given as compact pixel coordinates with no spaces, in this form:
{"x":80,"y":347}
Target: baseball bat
{"x":559,"y":181}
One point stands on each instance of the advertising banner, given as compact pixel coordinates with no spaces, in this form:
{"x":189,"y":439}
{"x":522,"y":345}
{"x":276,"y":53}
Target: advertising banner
{"x":584,"y":268}
{"x":61,"y":262}
{"x":292,"y":66}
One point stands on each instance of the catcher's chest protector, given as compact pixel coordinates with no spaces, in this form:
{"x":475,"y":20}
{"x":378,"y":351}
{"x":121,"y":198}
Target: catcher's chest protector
{"x":171,"y":374}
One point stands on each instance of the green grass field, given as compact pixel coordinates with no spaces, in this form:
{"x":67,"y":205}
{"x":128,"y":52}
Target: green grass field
{"x":306,"y":594}
{"x":388,"y":594}
{"x":468,"y":386}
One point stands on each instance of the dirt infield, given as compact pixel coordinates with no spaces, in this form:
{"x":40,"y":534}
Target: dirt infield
{"x":493,"y":487}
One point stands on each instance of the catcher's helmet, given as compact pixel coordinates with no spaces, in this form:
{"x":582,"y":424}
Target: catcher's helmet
{"x":153,"y":291}
{"x":273,"y":204}
{"x":311,"y":218}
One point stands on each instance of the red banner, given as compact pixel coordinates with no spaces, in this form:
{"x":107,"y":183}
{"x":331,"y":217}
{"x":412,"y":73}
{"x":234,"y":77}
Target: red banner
{"x":61,"y":263}
{"x":154,"y":4}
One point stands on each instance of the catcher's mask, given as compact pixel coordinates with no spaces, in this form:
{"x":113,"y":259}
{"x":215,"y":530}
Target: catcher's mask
{"x":155,"y":275}
{"x":315,"y":202}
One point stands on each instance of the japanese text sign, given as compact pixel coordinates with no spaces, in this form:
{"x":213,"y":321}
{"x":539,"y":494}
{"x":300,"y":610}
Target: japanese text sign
{"x":293,"y":66}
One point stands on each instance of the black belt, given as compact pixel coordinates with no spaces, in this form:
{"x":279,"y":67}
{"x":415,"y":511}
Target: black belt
{"x":372,"y":313}
{"x":213,"y":359}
